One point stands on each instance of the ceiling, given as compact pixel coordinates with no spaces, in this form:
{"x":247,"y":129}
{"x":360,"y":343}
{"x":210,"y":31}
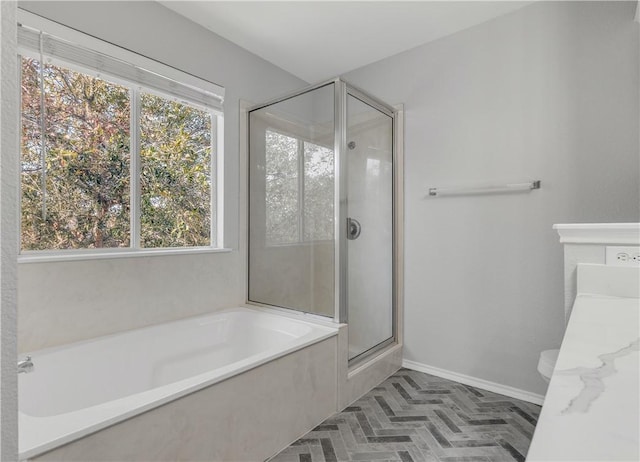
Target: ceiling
{"x":317,"y":40}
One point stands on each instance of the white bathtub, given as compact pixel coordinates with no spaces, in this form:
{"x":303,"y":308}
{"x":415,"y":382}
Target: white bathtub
{"x":80,"y":388}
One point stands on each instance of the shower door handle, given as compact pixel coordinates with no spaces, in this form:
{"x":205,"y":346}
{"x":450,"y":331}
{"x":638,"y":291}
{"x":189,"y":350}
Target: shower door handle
{"x":353,"y":229}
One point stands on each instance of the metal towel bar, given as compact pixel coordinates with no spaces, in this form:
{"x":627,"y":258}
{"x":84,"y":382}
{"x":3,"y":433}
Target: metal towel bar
{"x":491,"y":189}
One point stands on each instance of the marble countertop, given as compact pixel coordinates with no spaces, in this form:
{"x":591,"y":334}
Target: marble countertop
{"x":592,"y":407}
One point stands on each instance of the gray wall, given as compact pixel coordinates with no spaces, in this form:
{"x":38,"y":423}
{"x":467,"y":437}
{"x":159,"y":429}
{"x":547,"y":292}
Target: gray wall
{"x":67,"y":301}
{"x":9,"y":116}
{"x":548,"y":92}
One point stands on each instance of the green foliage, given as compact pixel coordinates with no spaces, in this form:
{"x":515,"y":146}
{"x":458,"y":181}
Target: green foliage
{"x":175,"y":174}
{"x":85,"y":199}
{"x":86,"y":196}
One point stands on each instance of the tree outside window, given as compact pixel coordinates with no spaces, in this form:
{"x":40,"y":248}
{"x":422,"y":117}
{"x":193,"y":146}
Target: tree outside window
{"x":76,"y":178}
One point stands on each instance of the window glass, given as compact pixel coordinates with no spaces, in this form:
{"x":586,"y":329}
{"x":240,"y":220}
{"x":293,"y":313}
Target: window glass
{"x":282,"y":208}
{"x":318,"y":192}
{"x":175,"y":168}
{"x":75,"y":195}
{"x":76,"y":176}
{"x":299,"y":190}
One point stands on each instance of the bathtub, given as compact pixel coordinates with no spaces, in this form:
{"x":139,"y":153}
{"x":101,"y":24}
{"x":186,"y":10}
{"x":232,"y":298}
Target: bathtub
{"x":78,"y":389}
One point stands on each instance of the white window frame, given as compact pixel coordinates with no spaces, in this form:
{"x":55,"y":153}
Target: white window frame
{"x":135,"y":89}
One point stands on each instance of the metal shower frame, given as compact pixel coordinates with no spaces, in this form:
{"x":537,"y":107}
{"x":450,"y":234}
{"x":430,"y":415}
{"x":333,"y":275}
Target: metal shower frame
{"x":342,"y":90}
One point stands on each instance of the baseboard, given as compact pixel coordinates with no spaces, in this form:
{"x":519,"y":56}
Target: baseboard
{"x":476,"y":382}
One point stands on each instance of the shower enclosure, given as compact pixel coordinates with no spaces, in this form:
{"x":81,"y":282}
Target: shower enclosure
{"x":322,"y":220}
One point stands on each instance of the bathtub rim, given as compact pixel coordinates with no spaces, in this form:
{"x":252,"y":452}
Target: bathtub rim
{"x":30,"y":446}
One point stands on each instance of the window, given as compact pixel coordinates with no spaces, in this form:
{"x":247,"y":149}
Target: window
{"x":75,"y":176}
{"x":112,"y":155}
{"x":175,"y":174}
{"x":299,"y":190}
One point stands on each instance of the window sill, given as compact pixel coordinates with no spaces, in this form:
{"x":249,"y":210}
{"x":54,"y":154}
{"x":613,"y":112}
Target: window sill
{"x":108,"y":254}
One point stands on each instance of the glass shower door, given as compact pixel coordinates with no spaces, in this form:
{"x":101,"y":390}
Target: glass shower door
{"x":321,"y":210}
{"x":369,"y":164}
{"x":291,"y":203}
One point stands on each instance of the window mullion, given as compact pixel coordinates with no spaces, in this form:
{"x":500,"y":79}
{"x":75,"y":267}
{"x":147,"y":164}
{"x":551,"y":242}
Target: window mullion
{"x":134,"y":166}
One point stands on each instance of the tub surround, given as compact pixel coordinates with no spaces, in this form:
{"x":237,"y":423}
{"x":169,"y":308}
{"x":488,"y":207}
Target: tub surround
{"x":248,"y":418}
{"x":592,"y":405}
{"x":289,"y":385}
{"x":141,"y":291}
{"x":212,"y":357}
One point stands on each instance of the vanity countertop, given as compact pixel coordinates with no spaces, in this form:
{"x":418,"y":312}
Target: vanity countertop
{"x":592,"y":408}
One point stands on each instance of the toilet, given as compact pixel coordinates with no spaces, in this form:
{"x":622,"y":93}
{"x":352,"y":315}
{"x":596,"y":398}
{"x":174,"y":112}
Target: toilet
{"x":547,"y":362}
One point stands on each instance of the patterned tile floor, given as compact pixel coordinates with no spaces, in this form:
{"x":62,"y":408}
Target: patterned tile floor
{"x":413,"y":416}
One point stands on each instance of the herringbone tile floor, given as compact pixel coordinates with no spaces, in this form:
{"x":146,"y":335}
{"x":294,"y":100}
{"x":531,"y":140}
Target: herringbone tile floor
{"x":413,"y":416}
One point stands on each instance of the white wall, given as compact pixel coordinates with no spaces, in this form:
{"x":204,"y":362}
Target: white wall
{"x":63,"y":302}
{"x":8,"y":232}
{"x":549,"y":92}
